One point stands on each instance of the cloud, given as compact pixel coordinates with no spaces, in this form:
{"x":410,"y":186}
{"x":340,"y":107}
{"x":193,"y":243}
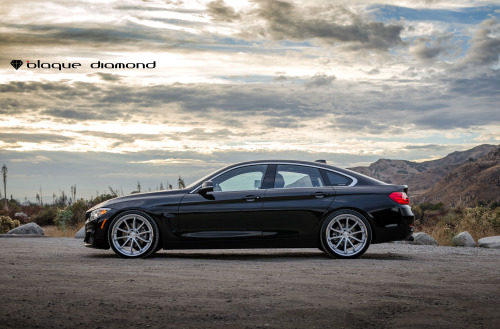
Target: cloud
{"x":286,"y":122}
{"x":35,"y":159}
{"x":179,"y":161}
{"x":73,"y":114}
{"x":319,"y":80}
{"x":109,"y":76}
{"x":432,"y":147}
{"x":428,"y":49}
{"x":331,"y":25}
{"x":220,"y":110}
{"x":485,"y":44}
{"x":222,"y":12}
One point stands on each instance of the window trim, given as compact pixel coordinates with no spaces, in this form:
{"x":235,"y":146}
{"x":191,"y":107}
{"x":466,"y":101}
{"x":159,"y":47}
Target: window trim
{"x":270,"y":163}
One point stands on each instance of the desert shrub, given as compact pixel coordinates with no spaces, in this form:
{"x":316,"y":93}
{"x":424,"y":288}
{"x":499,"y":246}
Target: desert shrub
{"x":7,"y":224}
{"x":78,"y":208}
{"x":99,"y":199}
{"x":47,"y":216}
{"x":479,"y":222}
{"x":31,"y":210}
{"x":443,"y":228}
{"x":432,"y":206}
{"x":63,"y":217}
{"x":495,"y":205}
{"x":426,"y":211}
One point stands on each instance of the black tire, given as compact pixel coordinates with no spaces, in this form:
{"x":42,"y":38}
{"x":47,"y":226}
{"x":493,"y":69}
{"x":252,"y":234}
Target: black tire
{"x":345,"y":234}
{"x":133,"y":234}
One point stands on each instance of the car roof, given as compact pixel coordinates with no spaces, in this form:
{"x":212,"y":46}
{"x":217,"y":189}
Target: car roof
{"x":362,"y":179}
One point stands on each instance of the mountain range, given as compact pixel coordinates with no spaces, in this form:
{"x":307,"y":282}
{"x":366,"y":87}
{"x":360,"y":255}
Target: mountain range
{"x":462,"y":178}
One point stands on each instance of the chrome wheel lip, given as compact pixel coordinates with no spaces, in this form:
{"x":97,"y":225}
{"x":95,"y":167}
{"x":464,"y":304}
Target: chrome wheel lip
{"x":346,"y":235}
{"x":132,"y":235}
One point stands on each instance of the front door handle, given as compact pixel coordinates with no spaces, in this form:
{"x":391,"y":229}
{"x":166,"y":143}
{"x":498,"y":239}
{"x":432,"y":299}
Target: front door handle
{"x":319,"y":195}
{"x":250,"y":198}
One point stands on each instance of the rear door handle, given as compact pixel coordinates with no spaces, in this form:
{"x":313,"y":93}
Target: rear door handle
{"x":319,"y":195}
{"x":250,"y":198}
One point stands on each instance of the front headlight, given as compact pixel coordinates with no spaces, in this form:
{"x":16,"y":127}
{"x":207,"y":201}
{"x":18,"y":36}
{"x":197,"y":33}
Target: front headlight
{"x":98,"y":213}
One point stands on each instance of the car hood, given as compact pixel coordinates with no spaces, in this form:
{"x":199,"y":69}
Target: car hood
{"x":141,"y":198}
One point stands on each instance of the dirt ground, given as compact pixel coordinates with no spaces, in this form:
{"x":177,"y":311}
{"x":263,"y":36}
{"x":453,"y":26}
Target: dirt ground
{"x":58,"y":283}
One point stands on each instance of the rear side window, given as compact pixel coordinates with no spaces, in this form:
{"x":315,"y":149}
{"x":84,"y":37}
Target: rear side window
{"x":338,"y":179}
{"x":293,"y":176}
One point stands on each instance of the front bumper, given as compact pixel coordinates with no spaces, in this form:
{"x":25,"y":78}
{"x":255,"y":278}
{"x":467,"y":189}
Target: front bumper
{"x":96,"y":234}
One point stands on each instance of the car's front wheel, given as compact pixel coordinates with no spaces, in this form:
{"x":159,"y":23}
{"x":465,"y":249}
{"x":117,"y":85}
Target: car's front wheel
{"x":133,"y":234}
{"x":345,"y":234}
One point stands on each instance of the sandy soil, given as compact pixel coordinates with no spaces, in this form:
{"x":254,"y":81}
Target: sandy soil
{"x":58,"y":283}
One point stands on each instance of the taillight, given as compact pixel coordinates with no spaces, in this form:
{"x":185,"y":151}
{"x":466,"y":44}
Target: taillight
{"x":400,"y":197}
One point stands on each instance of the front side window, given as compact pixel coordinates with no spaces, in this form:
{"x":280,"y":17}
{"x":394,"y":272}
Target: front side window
{"x":240,"y":179}
{"x":292,"y":176}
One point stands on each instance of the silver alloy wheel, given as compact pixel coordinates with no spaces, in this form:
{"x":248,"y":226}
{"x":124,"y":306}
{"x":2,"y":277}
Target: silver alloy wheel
{"x":132,"y":235}
{"x":346,"y":235}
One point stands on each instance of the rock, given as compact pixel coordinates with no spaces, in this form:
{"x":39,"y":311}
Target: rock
{"x":422,"y":238}
{"x":30,"y":228}
{"x":490,"y":242}
{"x":80,"y":234}
{"x":21,"y":215}
{"x":463,"y":239}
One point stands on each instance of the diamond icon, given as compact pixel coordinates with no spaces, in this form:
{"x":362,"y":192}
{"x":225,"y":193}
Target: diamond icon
{"x":16,"y":63}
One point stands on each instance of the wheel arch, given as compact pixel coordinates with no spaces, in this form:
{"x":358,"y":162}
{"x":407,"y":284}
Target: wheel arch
{"x":154,"y":216}
{"x":367,"y":215}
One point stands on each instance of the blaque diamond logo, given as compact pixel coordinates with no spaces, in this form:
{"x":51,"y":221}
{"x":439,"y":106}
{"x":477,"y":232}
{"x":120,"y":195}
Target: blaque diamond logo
{"x":16,"y":63}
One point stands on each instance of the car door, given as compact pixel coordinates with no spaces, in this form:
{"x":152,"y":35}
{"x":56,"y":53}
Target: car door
{"x":231,"y":211}
{"x":295,"y":205}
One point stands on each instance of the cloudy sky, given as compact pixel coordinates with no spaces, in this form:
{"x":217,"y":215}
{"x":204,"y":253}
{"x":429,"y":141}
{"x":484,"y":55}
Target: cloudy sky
{"x":349,"y":82}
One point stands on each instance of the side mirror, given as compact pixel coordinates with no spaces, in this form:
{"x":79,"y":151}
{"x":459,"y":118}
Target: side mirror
{"x":207,"y":186}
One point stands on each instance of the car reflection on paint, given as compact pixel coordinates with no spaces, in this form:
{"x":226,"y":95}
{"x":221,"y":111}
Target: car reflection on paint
{"x":257,"y":204}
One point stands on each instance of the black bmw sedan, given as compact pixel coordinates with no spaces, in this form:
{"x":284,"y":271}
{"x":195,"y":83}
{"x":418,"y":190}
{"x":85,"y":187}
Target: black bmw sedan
{"x":257,"y":204}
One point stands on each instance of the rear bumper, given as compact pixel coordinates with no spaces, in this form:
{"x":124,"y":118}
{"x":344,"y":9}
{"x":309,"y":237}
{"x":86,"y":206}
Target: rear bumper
{"x":402,"y":230}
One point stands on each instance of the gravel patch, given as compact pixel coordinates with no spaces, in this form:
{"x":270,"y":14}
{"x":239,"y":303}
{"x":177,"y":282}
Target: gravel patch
{"x":57,"y":282}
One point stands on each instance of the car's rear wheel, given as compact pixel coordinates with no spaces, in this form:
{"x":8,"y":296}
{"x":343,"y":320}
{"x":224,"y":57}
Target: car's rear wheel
{"x":345,"y":234}
{"x":133,"y":234}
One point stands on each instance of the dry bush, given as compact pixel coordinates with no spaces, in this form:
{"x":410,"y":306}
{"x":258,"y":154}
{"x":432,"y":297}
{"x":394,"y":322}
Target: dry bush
{"x":480,"y":222}
{"x":57,"y":232}
{"x":7,"y":224}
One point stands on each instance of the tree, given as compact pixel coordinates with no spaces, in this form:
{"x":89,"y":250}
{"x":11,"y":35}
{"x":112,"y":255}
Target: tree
{"x":4,"y":174}
{"x":161,"y":186}
{"x":73,"y":192}
{"x":62,"y":200}
{"x":180,"y":183}
{"x":114,"y":193}
{"x":138,"y":187}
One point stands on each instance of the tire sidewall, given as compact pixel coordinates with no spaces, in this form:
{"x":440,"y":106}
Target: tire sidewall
{"x":156,"y":234}
{"x":323,"y":234}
